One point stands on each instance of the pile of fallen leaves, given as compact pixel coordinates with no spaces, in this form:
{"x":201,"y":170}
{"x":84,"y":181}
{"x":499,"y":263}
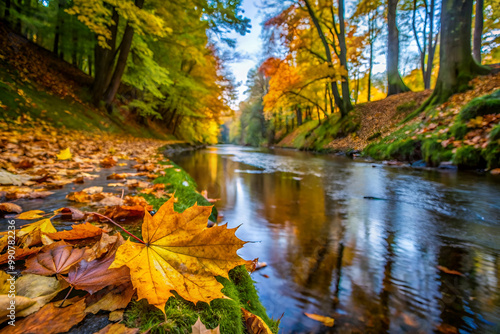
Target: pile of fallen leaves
{"x":384,"y":118}
{"x":36,"y":163}
{"x":178,"y":252}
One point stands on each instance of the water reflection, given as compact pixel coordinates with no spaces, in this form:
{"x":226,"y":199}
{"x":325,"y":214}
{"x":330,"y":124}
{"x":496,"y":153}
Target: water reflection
{"x":371,"y":263}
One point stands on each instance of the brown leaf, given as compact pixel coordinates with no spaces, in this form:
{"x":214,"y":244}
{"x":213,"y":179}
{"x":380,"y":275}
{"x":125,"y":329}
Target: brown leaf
{"x":118,"y":329}
{"x":75,"y":214}
{"x":20,"y":254}
{"x":10,"y":207}
{"x":79,"y":231}
{"x":124,"y":211}
{"x":327,"y":321}
{"x":255,"y":324}
{"x":94,"y":275}
{"x":110,"y":298}
{"x":50,"y":319}
{"x":56,"y":258}
{"x":199,"y":328}
{"x":108,"y":162}
{"x":105,"y":245}
{"x":39,"y":194}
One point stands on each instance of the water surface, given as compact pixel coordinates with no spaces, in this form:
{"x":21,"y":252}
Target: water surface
{"x":376,"y":264}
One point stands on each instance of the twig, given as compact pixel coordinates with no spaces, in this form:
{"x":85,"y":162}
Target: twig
{"x":115,"y":223}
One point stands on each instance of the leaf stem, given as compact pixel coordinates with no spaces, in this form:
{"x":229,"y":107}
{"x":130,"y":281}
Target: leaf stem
{"x":66,"y":296}
{"x":115,"y":223}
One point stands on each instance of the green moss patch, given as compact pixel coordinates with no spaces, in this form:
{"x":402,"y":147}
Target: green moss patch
{"x":181,"y":314}
{"x":484,"y":105}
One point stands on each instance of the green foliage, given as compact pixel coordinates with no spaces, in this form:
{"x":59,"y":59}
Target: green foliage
{"x":459,"y":130}
{"x":467,"y":157}
{"x":484,"y":105}
{"x":434,"y":153}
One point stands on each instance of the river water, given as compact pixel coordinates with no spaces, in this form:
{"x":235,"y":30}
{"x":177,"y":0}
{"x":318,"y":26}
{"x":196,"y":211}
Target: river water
{"x":379,"y":249}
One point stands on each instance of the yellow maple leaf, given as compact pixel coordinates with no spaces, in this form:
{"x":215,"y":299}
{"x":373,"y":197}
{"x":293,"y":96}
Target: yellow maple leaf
{"x":180,"y":253}
{"x":64,"y":154}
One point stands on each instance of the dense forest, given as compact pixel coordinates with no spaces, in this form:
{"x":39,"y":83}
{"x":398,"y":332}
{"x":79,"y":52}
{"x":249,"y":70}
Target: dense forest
{"x":163,"y":60}
{"x":320,"y":58}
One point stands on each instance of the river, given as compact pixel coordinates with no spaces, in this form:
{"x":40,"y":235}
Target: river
{"x":378,"y":248}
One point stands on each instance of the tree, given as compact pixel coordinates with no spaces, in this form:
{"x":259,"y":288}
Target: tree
{"x":457,"y":67}
{"x":478,"y":30}
{"x":394,"y":82}
{"x":427,"y":46}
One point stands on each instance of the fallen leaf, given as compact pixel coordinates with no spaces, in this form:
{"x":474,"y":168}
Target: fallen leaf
{"x":74,"y":213}
{"x":78,"y":196}
{"x":116,"y":316}
{"x":180,"y":254}
{"x":56,"y":258}
{"x":50,"y":319}
{"x":33,"y":214}
{"x":118,"y":329}
{"x":327,"y":321}
{"x":108,"y":162}
{"x":255,"y":324}
{"x":199,"y":328}
{"x":10,"y":207}
{"x":20,"y":254}
{"x":79,"y":231}
{"x":97,"y":274}
{"x":93,"y":190}
{"x":9,"y":178}
{"x":64,"y":154}
{"x":110,"y":298}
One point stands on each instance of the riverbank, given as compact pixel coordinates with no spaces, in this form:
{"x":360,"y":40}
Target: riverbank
{"x":121,"y":177}
{"x":463,"y":132}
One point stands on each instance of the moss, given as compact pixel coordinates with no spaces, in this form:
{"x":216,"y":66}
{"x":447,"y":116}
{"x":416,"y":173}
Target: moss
{"x":374,"y":136}
{"x":492,"y":154}
{"x":484,"y":105}
{"x":181,"y":314}
{"x":459,"y":130}
{"x":468,"y":157}
{"x":407,"y":106}
{"x":495,"y":133}
{"x":434,"y":153}
{"x":405,"y":150}
{"x":177,"y":181}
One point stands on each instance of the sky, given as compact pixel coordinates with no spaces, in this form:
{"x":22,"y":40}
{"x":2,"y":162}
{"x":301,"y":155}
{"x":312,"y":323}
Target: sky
{"x":249,"y":46}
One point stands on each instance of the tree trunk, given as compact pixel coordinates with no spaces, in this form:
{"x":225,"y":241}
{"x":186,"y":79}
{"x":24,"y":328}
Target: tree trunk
{"x":431,"y":47}
{"x":346,"y":92}
{"x":104,"y":59}
{"x":336,"y":95}
{"x":394,"y":82}
{"x":55,"y":49}
{"x":370,"y":69}
{"x":121,"y":63}
{"x":298,"y":111}
{"x":457,"y":67}
{"x":478,"y":30}
{"x":74,"y":39}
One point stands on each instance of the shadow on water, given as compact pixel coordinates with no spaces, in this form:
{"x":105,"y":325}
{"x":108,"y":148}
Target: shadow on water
{"x":377,"y":264}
